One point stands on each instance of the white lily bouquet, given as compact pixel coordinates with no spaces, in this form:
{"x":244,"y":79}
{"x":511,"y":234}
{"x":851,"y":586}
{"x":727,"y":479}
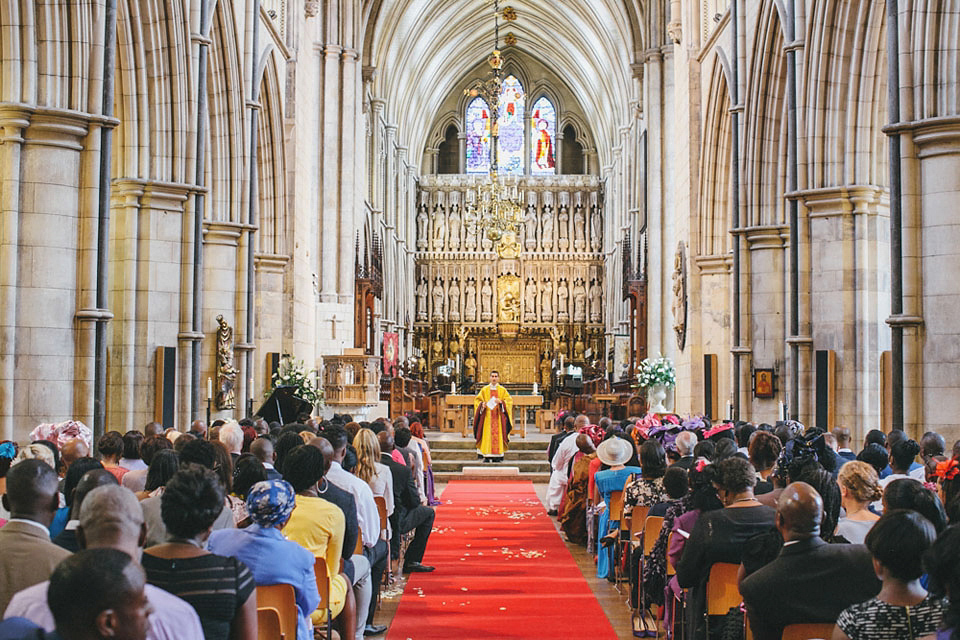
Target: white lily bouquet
{"x":654,"y":371}
{"x":293,"y":373}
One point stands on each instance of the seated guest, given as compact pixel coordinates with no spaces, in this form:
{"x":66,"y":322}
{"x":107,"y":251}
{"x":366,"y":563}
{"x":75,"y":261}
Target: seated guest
{"x":647,"y":489}
{"x":8,"y":451}
{"x":110,"y":445}
{"x":685,"y":443}
{"x":903,"y":608}
{"x":27,"y":556}
{"x":131,"y":460}
{"x":223,"y":467}
{"x":99,"y":594}
{"x":220,"y":589}
{"x":270,"y":557}
{"x":842,"y":434}
{"x":416,"y":429}
{"x":318,"y":526}
{"x":615,"y":453}
{"x":573,"y":516}
{"x":199,"y":452}
{"x":262,"y":448}
{"x":369,"y":468}
{"x":559,"y":474}
{"x":719,"y":536}
{"x":231,"y":435}
{"x":163,"y":465}
{"x":893,"y":438}
{"x":71,"y":451}
{"x":110,"y":518}
{"x":858,"y":488}
{"x":942,"y":562}
{"x":764,"y":449}
{"x":136,"y":479}
{"x":409,"y":514}
{"x":403,"y":441}
{"x":910,"y":494}
{"x":820,"y":580}
{"x":69,"y":485}
{"x":675,"y":487}
{"x":247,"y":472}
{"x":92,"y":479}
{"x":902,"y":459}
{"x":932,"y":447}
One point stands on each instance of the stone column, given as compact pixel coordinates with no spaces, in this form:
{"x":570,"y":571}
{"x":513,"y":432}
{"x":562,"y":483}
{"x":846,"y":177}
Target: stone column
{"x":12,"y":123}
{"x":462,"y":153}
{"x":330,"y":172}
{"x":350,"y":209}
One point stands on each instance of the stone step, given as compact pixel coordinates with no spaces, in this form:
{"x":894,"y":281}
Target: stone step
{"x":441,"y":466}
{"x":469,"y":443}
{"x":471,"y":454}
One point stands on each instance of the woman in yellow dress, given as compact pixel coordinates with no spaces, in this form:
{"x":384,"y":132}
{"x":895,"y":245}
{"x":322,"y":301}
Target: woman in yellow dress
{"x":492,"y":419}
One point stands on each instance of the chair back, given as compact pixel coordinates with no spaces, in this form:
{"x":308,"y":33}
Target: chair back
{"x":323,"y":582}
{"x":268,"y":624}
{"x":358,"y":549}
{"x":809,"y":631}
{"x":651,"y":531}
{"x":671,"y":570}
{"x":616,"y":505}
{"x":722,"y":590}
{"x":282,"y":598}
{"x":382,"y":510}
{"x":637,"y":518}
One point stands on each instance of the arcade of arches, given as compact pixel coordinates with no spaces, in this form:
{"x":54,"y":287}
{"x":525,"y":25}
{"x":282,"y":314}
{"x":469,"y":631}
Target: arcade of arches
{"x":705,"y":180}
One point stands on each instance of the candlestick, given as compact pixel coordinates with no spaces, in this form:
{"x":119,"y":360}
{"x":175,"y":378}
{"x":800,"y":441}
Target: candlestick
{"x":453,"y":388}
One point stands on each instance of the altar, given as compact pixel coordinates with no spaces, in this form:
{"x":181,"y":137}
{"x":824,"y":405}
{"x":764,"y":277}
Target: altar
{"x":464,"y":404}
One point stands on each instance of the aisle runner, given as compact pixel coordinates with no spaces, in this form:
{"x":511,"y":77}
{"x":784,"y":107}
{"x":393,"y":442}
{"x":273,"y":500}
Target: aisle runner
{"x":502,"y":572}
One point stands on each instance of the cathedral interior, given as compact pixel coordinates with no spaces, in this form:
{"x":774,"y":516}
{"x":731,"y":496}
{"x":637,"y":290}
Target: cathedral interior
{"x":407,"y":194}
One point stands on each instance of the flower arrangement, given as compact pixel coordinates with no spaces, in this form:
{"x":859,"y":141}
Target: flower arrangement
{"x":654,"y":371}
{"x":293,"y":373}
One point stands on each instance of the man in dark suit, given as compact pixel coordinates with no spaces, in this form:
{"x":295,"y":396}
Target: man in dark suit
{"x":408,"y":513}
{"x":27,"y":556}
{"x":262,"y":449}
{"x":810,"y":581}
{"x":686,"y":441}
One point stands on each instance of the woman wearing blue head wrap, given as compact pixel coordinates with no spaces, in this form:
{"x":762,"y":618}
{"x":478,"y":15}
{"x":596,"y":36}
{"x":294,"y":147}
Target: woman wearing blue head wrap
{"x":269,"y":555}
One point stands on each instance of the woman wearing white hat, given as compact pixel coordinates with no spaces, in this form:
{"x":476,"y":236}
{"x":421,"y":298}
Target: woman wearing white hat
{"x":614,"y":452}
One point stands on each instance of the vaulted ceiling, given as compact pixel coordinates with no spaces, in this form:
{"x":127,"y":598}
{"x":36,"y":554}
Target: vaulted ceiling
{"x":422,"y":49}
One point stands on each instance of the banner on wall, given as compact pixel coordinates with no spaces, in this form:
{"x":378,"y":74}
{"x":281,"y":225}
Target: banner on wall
{"x":621,"y":357}
{"x":391,"y":349}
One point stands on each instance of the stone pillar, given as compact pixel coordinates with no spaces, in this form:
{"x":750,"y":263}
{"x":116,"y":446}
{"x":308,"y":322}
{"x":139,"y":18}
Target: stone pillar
{"x":12,"y":123}
{"x":655,"y":196}
{"x":330,"y":173}
{"x":350,"y":208}
{"x":376,"y":179}
{"x":938,"y":151}
{"x":462,"y":152}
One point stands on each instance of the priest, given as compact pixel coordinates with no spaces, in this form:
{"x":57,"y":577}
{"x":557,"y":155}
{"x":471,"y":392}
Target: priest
{"x":492,"y":419}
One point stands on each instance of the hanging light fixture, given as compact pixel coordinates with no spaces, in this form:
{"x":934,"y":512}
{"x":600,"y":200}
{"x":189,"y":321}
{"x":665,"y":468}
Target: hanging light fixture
{"x":498,"y":212}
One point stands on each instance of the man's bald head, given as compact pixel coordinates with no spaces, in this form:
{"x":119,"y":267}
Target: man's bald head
{"x":584,"y":443}
{"x":198,"y":426}
{"x":799,"y":511}
{"x":73,"y":450}
{"x":386,"y":442}
{"x":325,"y":448}
{"x":581,"y":421}
{"x":262,"y":448}
{"x":932,"y":444}
{"x":32,"y":491}
{"x":152,"y":429}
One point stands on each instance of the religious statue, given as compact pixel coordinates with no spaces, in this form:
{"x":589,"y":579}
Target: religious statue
{"x":422,"y":227}
{"x":486,"y":301}
{"x":422,"y":313}
{"x":530,"y":301}
{"x":546,"y":229}
{"x":439,"y":227}
{"x":226,"y":374}
{"x":453,"y":301}
{"x":438,"y":347}
{"x":530,"y":228}
{"x":596,"y":228}
{"x":470,"y":366}
{"x":454,"y":347}
{"x":579,"y":228}
{"x":546,"y":301}
{"x":470,"y":302}
{"x":562,"y":295}
{"x":679,"y":306}
{"x":438,"y":299}
{"x":563,"y":228}
{"x":579,"y":349}
{"x":596,"y":301}
{"x":454,"y":227}
{"x":470,"y":229}
{"x":546,"y":370}
{"x":579,"y":301}
{"x":508,"y":291}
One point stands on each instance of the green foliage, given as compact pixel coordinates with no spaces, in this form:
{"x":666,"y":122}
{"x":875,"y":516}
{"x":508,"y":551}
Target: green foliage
{"x":654,"y":371}
{"x":293,"y":373}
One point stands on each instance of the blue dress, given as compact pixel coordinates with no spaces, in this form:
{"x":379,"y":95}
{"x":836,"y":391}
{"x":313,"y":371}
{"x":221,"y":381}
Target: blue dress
{"x":607,"y":482}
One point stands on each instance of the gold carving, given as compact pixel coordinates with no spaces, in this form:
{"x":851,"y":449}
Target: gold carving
{"x":508,"y":290}
{"x":518,"y":362}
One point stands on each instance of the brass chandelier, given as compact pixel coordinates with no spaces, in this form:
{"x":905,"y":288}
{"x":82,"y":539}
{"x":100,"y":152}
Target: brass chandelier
{"x":496,"y":207}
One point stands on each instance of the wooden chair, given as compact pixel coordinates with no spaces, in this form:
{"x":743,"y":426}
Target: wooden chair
{"x":323,"y":588}
{"x":268,"y":624}
{"x":809,"y":631}
{"x":358,"y":549}
{"x":282,"y":598}
{"x":615,"y":513}
{"x":384,"y":535}
{"x":672,"y":571}
{"x":722,"y":590}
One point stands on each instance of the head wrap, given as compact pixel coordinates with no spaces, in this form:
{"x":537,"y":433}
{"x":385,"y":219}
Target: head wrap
{"x":720,"y":428}
{"x":593,"y":432}
{"x":62,"y":432}
{"x":8,"y":450}
{"x":271,"y":502}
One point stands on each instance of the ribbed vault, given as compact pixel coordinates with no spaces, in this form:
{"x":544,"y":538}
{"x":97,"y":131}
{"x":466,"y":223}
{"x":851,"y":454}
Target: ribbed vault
{"x":423,"y":48}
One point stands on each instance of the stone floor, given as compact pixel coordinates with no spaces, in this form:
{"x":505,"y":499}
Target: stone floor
{"x":613,"y":603}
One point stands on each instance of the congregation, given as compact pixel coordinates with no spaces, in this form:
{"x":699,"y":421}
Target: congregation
{"x":184,"y":536}
{"x":741,"y":530}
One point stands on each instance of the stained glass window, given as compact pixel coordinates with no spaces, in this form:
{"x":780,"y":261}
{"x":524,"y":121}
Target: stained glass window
{"x":543,"y":133}
{"x":510,"y":144}
{"x":478,"y":136}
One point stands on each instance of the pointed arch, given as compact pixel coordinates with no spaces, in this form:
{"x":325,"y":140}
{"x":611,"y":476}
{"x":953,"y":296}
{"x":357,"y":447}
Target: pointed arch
{"x":713,"y":238}
{"x":543,"y":134}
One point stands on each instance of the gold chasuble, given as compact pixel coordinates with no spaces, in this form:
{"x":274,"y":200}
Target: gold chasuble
{"x":492,"y":420}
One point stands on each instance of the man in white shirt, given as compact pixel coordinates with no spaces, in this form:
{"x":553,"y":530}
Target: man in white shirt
{"x":110,"y":518}
{"x":560,"y":474}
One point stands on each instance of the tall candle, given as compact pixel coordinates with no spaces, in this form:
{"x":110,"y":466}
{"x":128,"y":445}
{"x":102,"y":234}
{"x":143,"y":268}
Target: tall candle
{"x":780,"y":413}
{"x":453,"y":388}
{"x":209,"y":388}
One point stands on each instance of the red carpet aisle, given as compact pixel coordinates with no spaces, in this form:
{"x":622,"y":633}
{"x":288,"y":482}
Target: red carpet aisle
{"x":502,"y":572}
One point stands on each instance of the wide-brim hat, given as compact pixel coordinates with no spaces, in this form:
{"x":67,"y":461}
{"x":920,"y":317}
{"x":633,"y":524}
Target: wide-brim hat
{"x":614,"y":451}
